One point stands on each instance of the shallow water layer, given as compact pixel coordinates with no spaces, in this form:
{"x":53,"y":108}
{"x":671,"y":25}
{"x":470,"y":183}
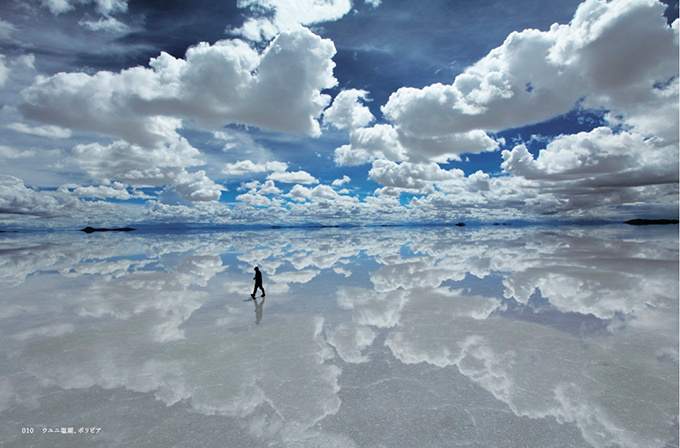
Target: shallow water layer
{"x":396,"y":337}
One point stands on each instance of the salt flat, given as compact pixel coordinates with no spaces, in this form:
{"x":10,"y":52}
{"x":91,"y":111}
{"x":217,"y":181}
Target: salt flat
{"x":367,"y":337}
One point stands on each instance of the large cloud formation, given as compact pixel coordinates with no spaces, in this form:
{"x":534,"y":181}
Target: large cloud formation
{"x":619,"y":57}
{"x":227,"y":82}
{"x":214,"y":85}
{"x":616,"y":55}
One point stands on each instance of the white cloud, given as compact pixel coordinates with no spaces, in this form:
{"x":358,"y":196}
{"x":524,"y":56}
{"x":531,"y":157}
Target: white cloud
{"x":368,"y":144}
{"x":284,"y":15}
{"x":137,"y":165}
{"x":116,"y":190}
{"x":300,"y":193}
{"x":324,"y":192}
{"x":618,"y":56}
{"x":54,"y":132}
{"x":599,"y":168}
{"x":197,"y":187}
{"x":269,"y":188}
{"x":347,"y":112}
{"x":107,"y":24}
{"x":384,"y":141}
{"x":416,"y":178}
{"x":479,"y":180}
{"x":228,"y":82}
{"x":104,"y":7}
{"x":7,"y":152}
{"x":597,"y":158}
{"x":537,"y":75}
{"x":17,"y":199}
{"x":163,"y":164}
{"x":340,"y":182}
{"x":255,"y":195}
{"x":254,"y":200}
{"x":212,"y":212}
{"x":294,"y":177}
{"x":248,"y":167}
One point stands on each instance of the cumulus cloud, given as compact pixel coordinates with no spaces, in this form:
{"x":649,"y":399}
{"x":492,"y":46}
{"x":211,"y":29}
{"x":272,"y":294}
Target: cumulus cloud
{"x":319,"y":193}
{"x":620,"y":57}
{"x":479,"y":181}
{"x":384,"y":141}
{"x":598,"y":168}
{"x":228,"y":82}
{"x":340,"y":182}
{"x":135,"y":164}
{"x":163,"y":164}
{"x":268,"y":187}
{"x":416,"y":178}
{"x":611,"y":53}
{"x":347,"y":112}
{"x":368,"y":144}
{"x":214,"y":85}
{"x":597,"y":158}
{"x":197,"y":187}
{"x":17,"y":199}
{"x":256,"y":194}
{"x":300,"y":193}
{"x":249,"y":167}
{"x":293,"y":177}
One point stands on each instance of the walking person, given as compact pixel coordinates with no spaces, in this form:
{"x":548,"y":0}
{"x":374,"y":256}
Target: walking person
{"x":258,"y":282}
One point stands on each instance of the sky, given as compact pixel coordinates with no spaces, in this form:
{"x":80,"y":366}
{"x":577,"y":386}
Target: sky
{"x":287,"y":112}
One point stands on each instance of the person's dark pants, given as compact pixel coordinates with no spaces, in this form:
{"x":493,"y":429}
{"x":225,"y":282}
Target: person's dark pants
{"x":258,"y":285}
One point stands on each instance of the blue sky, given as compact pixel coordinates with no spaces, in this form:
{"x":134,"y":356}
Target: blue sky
{"x":117,"y":112}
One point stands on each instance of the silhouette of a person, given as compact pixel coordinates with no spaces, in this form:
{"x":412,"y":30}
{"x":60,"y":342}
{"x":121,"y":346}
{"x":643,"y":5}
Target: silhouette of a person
{"x":258,"y":282}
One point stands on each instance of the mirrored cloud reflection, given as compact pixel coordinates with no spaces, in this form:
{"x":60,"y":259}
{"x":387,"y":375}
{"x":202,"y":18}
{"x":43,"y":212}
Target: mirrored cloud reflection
{"x":367,"y":336}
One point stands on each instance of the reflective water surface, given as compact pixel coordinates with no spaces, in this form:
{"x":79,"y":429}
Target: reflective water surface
{"x":393,"y":337}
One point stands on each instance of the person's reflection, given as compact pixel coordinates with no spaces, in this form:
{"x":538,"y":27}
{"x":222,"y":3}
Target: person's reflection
{"x":258,"y":311}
